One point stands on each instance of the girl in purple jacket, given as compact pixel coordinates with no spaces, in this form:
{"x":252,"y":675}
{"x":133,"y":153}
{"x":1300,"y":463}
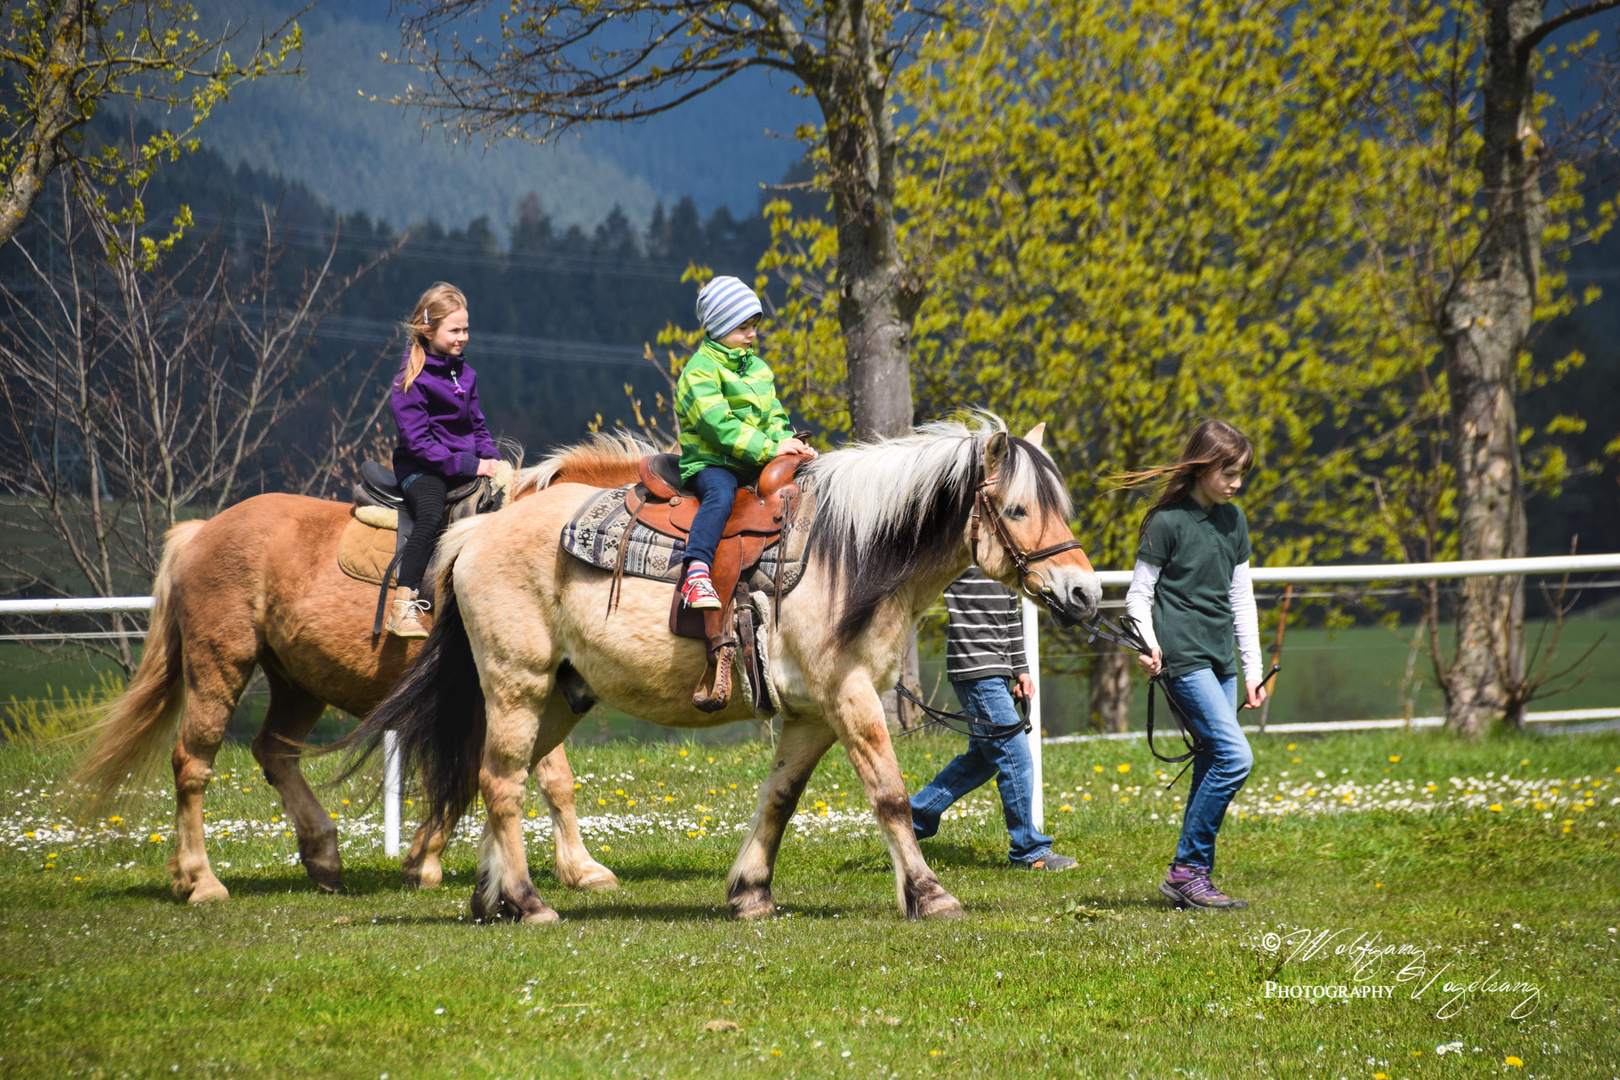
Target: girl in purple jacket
{"x":443,"y":440}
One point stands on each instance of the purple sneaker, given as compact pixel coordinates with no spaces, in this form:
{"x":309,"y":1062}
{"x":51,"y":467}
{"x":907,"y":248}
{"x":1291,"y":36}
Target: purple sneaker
{"x":1189,"y":886}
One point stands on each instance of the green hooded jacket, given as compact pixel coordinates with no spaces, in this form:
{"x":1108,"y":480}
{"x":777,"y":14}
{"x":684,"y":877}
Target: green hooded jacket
{"x":730,"y":416}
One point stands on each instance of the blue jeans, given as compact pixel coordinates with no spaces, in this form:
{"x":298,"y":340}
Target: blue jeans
{"x":716,"y":488}
{"x":1209,"y":705}
{"x":988,"y":699}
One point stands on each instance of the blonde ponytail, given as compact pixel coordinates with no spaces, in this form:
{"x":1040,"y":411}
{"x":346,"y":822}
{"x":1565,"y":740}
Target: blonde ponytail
{"x":440,"y":300}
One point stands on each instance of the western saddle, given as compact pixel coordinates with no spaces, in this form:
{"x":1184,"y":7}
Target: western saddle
{"x":758,"y":518}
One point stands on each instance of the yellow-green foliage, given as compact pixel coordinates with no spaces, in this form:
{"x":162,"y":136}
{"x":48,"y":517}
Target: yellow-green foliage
{"x":1129,"y":217}
{"x":37,"y":723}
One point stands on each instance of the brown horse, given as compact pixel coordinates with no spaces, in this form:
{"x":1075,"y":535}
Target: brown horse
{"x":258,"y":585}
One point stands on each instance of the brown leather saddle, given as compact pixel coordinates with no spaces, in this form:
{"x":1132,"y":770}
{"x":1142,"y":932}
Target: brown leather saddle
{"x":757,"y":519}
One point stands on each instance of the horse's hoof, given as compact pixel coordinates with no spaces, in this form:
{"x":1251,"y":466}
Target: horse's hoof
{"x":543,"y":914}
{"x":422,"y":877}
{"x":328,"y":878}
{"x":207,"y":891}
{"x":596,"y":878}
{"x":942,"y":905}
{"x":531,"y":909}
{"x":753,"y":903}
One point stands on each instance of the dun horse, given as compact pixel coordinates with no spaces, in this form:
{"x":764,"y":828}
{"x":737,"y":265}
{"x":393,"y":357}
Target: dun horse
{"x":891,"y":523}
{"x":258,"y":585}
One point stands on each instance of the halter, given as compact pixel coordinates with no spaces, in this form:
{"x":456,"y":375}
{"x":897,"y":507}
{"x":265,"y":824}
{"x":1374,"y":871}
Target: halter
{"x":984,"y":504}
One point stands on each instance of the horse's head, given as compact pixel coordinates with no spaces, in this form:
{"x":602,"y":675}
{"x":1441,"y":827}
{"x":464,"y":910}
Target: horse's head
{"x":1019,"y":529}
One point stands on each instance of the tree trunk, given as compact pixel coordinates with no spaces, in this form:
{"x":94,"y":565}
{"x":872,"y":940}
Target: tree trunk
{"x":1111,"y":691}
{"x":52,"y":117}
{"x":878,"y":295}
{"x":1487,"y":321}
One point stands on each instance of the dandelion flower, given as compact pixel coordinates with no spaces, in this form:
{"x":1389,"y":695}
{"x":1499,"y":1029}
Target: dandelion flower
{"x":1394,"y":758}
{"x":1513,"y":1061}
{"x":1124,"y":766}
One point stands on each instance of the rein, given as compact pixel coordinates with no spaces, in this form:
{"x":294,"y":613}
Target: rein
{"x":1125,"y":634}
{"x":964,"y":723}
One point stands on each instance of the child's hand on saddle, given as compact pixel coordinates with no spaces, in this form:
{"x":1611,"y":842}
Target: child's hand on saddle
{"x":795,"y":446}
{"x":1152,"y":663}
{"x":486,"y":467}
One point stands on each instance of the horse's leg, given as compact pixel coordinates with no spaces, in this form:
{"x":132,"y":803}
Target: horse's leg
{"x":516,"y":736}
{"x":421,"y":868}
{"x":802,"y":745}
{"x":575,"y":867}
{"x":278,"y":750}
{"x":213,"y":685}
{"x":866,"y":739}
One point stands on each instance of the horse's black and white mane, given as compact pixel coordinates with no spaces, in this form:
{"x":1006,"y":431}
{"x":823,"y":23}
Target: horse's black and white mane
{"x":890,"y":511}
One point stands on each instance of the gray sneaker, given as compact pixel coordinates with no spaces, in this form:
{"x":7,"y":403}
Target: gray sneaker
{"x":1050,"y":861}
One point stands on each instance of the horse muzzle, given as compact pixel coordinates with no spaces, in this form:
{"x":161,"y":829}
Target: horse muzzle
{"x":1072,"y":596}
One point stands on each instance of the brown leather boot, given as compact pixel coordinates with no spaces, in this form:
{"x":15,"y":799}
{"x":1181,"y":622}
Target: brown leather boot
{"x":713,"y":690}
{"x":405,"y":616}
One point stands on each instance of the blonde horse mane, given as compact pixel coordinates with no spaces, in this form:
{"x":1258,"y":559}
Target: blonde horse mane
{"x":889,"y":509}
{"x":601,"y":459}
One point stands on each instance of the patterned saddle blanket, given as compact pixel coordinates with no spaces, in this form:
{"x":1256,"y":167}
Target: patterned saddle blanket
{"x":603,"y":526}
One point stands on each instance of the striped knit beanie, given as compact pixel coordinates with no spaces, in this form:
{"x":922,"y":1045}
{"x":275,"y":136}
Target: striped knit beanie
{"x":725,"y":304}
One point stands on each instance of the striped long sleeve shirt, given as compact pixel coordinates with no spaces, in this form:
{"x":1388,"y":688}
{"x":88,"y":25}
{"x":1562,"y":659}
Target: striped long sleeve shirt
{"x":986,"y":635}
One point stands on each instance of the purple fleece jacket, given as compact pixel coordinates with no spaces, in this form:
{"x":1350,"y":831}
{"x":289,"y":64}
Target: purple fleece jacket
{"x":441,"y":428}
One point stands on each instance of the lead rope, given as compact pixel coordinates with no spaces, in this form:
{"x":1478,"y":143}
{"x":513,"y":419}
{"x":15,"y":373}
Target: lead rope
{"x":972,"y":726}
{"x":1126,"y":635}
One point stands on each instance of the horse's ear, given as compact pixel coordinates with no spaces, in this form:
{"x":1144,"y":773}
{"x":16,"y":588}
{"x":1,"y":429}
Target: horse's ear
{"x":995,"y":453}
{"x":1035,"y":435}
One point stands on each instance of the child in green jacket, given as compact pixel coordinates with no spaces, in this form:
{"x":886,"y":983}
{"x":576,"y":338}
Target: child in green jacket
{"x":732,"y":424}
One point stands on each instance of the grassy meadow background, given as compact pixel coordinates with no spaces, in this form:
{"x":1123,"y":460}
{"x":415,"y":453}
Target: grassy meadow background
{"x":1495,"y":862}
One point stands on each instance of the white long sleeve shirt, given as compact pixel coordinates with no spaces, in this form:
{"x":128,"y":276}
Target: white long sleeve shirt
{"x":1245,"y":615}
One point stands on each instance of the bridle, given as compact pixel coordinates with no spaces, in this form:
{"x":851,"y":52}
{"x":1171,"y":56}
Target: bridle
{"x":986,"y":505}
{"x":1123,"y":633}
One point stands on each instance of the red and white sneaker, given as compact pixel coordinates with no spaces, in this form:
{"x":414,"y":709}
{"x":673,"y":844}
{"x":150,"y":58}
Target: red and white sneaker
{"x":697,"y":592}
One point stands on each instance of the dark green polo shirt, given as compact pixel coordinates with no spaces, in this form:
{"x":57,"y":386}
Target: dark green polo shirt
{"x":1196,"y":551}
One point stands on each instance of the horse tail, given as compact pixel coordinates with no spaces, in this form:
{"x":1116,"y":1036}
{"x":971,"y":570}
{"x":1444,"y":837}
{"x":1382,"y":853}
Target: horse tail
{"x":436,"y":711}
{"x":129,"y":742}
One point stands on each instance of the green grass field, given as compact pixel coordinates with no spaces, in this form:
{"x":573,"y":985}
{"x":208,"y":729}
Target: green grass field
{"x":1415,"y":862}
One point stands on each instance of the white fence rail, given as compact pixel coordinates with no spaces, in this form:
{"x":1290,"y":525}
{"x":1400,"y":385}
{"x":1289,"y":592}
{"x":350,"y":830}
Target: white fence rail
{"x":1270,"y":575}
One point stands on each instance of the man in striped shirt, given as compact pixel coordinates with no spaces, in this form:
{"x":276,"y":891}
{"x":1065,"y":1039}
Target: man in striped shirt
{"x":984,"y":659}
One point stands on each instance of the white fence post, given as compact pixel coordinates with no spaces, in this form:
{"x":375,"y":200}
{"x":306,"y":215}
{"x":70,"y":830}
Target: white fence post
{"x":390,"y":794}
{"x":1032,"y":654}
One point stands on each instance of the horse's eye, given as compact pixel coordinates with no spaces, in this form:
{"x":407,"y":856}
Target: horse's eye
{"x":1014,"y":513}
